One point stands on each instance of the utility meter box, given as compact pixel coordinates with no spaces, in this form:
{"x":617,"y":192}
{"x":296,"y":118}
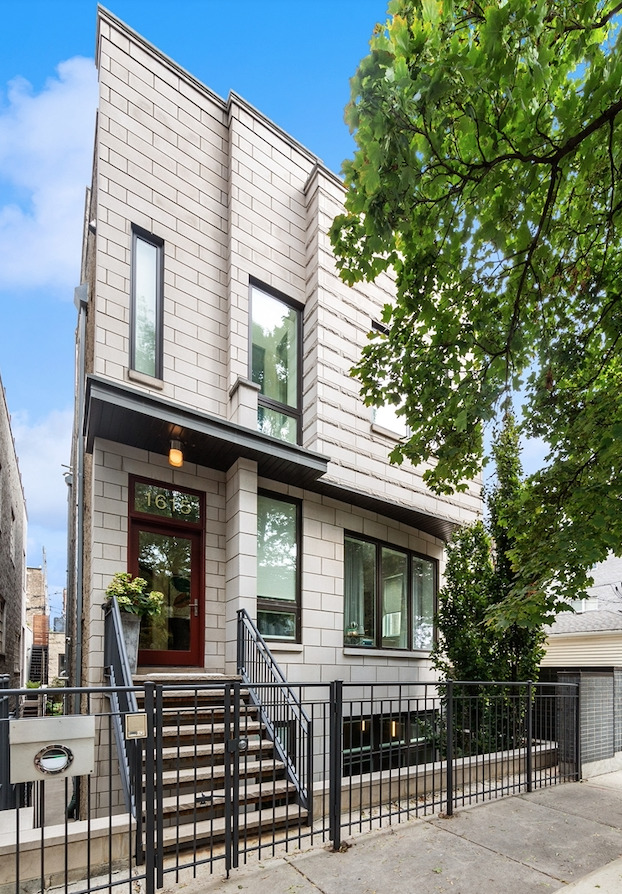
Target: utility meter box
{"x":51,"y":747}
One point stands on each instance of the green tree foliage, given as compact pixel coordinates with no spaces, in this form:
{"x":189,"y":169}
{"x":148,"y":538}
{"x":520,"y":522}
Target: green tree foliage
{"x":479,"y":577}
{"x":488,"y":177}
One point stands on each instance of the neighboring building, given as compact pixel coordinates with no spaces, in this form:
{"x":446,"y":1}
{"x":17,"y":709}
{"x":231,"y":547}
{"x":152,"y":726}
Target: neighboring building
{"x":591,"y":636}
{"x":212,"y":321}
{"x":586,"y":647}
{"x":13,"y":636}
{"x":47,"y":652}
{"x":589,"y":639}
{"x":38,"y":621}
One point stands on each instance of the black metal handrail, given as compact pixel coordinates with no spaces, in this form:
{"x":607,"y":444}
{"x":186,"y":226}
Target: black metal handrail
{"x":122,"y":702}
{"x":285,"y":720}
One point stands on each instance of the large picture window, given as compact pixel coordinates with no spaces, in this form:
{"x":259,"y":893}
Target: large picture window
{"x":278,"y":567}
{"x":146,"y":303}
{"x":389,"y":596}
{"x":275,"y":363}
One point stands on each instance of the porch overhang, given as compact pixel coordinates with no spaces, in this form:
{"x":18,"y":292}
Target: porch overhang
{"x":128,"y":416}
{"x":436,"y":526}
{"x":122,"y":414}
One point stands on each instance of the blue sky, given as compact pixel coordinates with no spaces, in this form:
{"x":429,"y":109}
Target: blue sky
{"x":290,"y":58}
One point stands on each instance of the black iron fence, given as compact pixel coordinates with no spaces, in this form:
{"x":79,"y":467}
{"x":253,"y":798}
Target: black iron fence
{"x":216,"y":788}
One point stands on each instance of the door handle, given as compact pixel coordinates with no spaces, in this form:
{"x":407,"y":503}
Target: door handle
{"x":194,"y":605}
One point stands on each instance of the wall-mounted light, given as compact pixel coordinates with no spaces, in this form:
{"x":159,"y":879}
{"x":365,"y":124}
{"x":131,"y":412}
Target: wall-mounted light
{"x":175,"y":455}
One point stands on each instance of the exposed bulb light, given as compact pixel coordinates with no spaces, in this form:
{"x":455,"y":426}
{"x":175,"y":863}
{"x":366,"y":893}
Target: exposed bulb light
{"x":175,"y":455}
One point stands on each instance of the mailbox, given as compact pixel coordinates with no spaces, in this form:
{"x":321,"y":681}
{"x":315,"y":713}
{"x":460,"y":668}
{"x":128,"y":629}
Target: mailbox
{"x":51,"y":747}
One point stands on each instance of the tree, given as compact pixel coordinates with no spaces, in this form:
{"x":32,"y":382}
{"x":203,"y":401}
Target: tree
{"x":488,"y":177}
{"x":479,"y":577}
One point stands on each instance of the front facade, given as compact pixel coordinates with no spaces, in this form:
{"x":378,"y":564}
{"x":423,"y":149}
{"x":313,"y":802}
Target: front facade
{"x":13,"y":637}
{"x":221,"y":448}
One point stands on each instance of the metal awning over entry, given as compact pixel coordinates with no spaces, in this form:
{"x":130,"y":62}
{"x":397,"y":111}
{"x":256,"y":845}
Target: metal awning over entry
{"x":128,"y":416}
{"x":117,"y":412}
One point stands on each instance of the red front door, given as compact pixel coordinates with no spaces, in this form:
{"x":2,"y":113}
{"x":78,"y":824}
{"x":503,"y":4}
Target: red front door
{"x":167,"y":551}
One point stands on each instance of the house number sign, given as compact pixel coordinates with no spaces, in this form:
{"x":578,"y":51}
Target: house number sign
{"x":165,"y":502}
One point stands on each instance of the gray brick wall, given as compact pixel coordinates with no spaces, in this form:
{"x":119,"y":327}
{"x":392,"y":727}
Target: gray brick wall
{"x":600,"y":714}
{"x":12,"y":549}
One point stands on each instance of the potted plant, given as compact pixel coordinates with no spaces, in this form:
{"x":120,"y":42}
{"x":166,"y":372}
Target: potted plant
{"x":135,"y":601}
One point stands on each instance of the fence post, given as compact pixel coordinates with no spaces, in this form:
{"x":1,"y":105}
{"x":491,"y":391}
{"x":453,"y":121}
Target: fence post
{"x":529,"y":734}
{"x":335,"y":746}
{"x":578,"y":768}
{"x":150,"y":800}
{"x":449,"y":714}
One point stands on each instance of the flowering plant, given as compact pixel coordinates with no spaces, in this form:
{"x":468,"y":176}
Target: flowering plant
{"x":132,"y":595}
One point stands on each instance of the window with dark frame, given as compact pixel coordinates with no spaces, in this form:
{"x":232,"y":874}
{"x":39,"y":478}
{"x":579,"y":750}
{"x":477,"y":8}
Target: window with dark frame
{"x":146,"y":303}
{"x":278,"y":567}
{"x":276,"y":362}
{"x":389,"y":595}
{"x":387,"y":416}
{"x":389,"y":739}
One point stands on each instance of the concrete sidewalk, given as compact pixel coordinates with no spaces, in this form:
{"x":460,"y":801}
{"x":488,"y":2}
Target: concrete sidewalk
{"x":566,"y":837}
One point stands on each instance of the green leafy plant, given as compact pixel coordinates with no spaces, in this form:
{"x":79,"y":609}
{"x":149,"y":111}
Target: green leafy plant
{"x":487,"y":176}
{"x":478,"y":577}
{"x":133,"y":595}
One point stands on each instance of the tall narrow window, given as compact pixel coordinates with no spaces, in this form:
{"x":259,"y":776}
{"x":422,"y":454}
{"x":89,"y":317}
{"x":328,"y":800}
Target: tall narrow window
{"x":146,"y":306}
{"x":278,"y":568}
{"x":275,"y":363}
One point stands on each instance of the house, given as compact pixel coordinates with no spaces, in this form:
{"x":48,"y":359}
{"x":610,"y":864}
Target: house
{"x":47,"y":654}
{"x":221,"y":448}
{"x":591,"y":636}
{"x":13,"y":523}
{"x":586,"y":646}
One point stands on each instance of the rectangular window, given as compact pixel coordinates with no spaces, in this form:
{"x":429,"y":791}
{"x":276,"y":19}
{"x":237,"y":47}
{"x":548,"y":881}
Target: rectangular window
{"x":278,"y":567}
{"x":146,"y":303}
{"x":389,"y":596}
{"x":276,"y":363}
{"x":387,"y":416}
{"x":389,"y":739}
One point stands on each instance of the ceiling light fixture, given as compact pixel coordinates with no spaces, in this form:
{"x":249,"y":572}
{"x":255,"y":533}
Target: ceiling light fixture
{"x":175,"y":455}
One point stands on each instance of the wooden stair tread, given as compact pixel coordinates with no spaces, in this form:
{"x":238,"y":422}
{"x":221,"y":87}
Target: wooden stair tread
{"x":249,"y":768}
{"x":215,"y":829}
{"x":248,"y":794}
{"x":203,"y":729}
{"x":217,"y":749}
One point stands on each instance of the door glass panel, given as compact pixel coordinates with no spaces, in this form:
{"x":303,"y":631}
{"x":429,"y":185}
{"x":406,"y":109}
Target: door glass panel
{"x":164,"y":560}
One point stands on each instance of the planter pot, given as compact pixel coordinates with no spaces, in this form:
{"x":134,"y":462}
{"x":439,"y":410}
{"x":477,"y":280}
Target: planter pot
{"x":131,"y":632}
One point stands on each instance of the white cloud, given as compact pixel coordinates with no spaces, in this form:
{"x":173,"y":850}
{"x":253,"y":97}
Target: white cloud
{"x":46,"y":146}
{"x":43,"y":449}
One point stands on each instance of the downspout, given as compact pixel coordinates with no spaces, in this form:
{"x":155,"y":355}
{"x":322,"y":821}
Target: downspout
{"x":81,"y":302}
